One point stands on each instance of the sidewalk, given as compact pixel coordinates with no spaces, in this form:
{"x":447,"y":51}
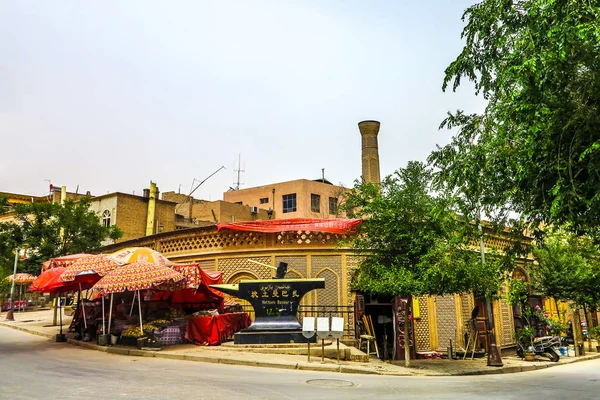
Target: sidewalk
{"x":39,"y":323}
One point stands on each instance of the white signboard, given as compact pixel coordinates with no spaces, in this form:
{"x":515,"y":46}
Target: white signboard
{"x":308,"y":327}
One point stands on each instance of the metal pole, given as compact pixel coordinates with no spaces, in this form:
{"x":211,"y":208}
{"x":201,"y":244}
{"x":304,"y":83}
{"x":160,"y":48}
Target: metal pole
{"x":494,"y":359}
{"x":10,"y":314}
{"x":140,"y":308}
{"x":322,"y":351}
{"x":309,"y":349}
{"x":338,"y":350}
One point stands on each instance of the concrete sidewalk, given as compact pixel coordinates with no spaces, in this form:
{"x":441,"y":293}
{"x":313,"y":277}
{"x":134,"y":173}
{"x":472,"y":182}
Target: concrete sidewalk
{"x":40,"y":323}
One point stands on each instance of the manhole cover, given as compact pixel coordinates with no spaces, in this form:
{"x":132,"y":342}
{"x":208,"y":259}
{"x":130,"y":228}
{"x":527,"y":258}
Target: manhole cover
{"x":331,"y":383}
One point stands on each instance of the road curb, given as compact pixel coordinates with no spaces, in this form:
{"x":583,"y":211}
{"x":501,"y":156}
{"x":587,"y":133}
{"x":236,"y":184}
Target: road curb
{"x":118,"y":350}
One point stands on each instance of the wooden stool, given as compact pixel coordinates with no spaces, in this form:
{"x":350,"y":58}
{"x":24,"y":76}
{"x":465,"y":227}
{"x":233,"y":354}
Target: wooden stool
{"x":368,"y":339}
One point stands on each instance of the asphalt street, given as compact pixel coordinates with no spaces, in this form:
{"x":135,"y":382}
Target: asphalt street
{"x":33,"y":367}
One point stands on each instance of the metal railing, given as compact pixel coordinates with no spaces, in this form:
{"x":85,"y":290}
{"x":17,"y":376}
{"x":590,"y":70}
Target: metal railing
{"x":346,"y":312}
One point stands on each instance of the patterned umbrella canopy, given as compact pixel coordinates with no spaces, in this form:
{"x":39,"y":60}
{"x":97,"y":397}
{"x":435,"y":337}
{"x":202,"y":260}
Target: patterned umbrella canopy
{"x":21,"y":279}
{"x":98,"y":264}
{"x":139,"y":254}
{"x":137,"y":276}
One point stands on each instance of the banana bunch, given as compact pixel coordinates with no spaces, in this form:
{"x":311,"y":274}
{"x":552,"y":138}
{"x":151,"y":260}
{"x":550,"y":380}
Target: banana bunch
{"x":133,"y":332}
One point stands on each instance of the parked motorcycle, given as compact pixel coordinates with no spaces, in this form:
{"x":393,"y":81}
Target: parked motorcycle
{"x":546,"y":346}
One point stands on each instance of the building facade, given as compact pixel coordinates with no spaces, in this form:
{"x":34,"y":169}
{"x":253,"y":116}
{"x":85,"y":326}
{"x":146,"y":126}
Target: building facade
{"x":310,"y":254}
{"x":301,"y":198}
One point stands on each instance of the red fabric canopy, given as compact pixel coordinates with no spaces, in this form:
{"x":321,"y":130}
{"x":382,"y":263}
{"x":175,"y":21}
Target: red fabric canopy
{"x":197,"y":289}
{"x":213,"y":330}
{"x":331,"y":225}
{"x":50,"y":282}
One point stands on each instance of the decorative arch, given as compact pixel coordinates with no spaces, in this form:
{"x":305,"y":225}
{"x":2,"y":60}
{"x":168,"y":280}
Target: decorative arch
{"x":330,"y":296}
{"x":242,"y":275}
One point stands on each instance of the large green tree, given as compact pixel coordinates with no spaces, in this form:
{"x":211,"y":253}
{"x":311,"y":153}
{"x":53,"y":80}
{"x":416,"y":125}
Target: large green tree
{"x":412,"y":242}
{"x":536,"y":146}
{"x":568,"y":269}
{"x":49,"y":230}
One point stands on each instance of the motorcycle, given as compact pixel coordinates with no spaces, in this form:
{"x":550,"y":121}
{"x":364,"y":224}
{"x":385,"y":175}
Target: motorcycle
{"x":546,"y":346}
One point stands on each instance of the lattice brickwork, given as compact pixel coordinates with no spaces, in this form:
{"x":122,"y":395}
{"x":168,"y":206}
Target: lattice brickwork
{"x":507,"y":322}
{"x":467,"y":304}
{"x":297,"y":263}
{"x":208,"y":265}
{"x":213,"y":241}
{"x":331,"y":294}
{"x":232,"y":266}
{"x":422,"y":327}
{"x":306,"y":238}
{"x":445,"y":310}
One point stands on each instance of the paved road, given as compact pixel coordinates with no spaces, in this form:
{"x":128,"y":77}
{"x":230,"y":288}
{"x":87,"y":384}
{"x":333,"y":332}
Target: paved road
{"x":32,"y":367}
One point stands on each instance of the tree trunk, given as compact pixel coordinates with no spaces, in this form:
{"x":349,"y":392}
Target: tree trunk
{"x":587,"y":324}
{"x":407,"y":322}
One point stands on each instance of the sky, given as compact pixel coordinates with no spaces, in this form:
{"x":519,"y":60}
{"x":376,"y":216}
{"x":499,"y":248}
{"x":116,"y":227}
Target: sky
{"x":106,"y":96}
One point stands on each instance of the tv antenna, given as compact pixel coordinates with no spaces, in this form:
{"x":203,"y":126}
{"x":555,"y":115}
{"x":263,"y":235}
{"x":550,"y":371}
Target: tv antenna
{"x":237,"y":184}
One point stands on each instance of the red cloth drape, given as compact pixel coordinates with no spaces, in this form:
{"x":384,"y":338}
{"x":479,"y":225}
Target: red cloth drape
{"x":213,"y":330}
{"x":331,"y":225}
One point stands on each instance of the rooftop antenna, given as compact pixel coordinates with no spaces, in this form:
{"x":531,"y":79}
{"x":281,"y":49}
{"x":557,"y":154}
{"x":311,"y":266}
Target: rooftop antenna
{"x":193,"y":189}
{"x":237,"y":184}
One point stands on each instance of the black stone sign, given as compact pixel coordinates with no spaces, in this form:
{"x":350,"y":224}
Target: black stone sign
{"x":275,"y":303}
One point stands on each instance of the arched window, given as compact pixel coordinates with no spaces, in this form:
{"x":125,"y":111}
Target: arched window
{"x":106,"y":218}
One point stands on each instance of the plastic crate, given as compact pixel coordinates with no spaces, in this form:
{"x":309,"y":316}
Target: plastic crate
{"x":169,"y":336}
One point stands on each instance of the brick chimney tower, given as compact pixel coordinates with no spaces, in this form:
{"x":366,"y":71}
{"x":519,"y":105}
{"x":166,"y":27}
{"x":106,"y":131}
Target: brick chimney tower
{"x":370,"y":151}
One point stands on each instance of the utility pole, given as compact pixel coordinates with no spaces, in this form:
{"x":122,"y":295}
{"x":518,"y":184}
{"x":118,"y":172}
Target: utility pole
{"x":494,"y":359}
{"x":10,"y":314}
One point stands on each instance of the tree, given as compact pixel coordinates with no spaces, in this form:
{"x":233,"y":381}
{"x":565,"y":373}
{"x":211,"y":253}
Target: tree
{"x":536,"y":64}
{"x":49,"y":230}
{"x":413,"y":243}
{"x":568,"y":269}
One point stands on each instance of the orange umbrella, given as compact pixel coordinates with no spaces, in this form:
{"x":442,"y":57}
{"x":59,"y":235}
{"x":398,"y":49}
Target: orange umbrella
{"x":62,"y":261}
{"x":139,"y":254}
{"x":21,"y":278}
{"x":98,"y":264}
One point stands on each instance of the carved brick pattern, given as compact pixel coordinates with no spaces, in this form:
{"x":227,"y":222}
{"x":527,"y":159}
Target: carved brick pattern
{"x":208,"y":265}
{"x":330,"y":296}
{"x":213,"y":241}
{"x":319,"y":263}
{"x":445,"y":310}
{"x":306,"y":238}
{"x":467,"y":306}
{"x":422,"y":326}
{"x":294,"y":262}
{"x":232,"y":266}
{"x":507,"y":323}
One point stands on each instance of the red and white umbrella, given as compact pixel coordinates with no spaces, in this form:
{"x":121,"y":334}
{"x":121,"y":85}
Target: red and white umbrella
{"x":21,"y":278}
{"x":135,"y":277}
{"x":98,"y":264}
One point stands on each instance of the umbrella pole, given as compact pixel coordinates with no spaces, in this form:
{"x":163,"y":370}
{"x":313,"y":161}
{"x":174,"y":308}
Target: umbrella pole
{"x":103,"y":325}
{"x":140,"y":308}
{"x":110,"y":311}
{"x":132,"y":303}
{"x":60,"y":313}
{"x":83,"y":309}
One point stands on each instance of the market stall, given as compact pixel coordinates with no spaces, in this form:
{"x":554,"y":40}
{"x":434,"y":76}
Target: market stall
{"x":213,"y":330}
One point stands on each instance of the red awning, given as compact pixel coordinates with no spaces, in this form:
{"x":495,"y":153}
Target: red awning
{"x":50,"y":282}
{"x":331,"y":225}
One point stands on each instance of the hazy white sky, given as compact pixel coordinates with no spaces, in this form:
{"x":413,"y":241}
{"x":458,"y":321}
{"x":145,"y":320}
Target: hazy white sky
{"x":109,"y":95}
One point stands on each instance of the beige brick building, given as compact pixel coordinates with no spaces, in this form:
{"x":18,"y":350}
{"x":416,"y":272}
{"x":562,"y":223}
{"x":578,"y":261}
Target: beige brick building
{"x":301,"y":198}
{"x":130,"y":214}
{"x":191,"y":213}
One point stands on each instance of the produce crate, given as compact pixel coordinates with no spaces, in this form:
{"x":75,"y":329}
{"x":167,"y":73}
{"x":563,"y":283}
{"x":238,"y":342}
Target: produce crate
{"x":169,"y":336}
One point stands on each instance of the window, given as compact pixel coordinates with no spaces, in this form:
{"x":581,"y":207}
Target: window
{"x":333,"y":203}
{"x":106,"y":218}
{"x":264,"y":200}
{"x":315,"y":202}
{"x":289,"y":203}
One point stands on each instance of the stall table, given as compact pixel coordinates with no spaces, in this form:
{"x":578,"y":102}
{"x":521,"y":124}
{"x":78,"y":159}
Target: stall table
{"x":214,"y":329}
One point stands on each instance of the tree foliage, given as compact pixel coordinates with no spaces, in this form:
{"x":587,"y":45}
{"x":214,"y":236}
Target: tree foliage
{"x":536,"y":147}
{"x":568,"y":269}
{"x":412,"y":242}
{"x":50,"y":230}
